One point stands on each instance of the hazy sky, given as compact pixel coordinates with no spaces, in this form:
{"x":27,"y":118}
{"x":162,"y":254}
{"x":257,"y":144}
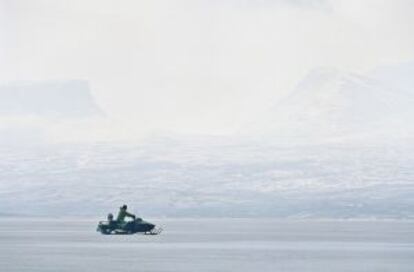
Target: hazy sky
{"x":200,"y":65}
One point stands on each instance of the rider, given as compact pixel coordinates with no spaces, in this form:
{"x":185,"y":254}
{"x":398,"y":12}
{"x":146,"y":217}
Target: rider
{"x":111,"y":221}
{"x":122,"y":214}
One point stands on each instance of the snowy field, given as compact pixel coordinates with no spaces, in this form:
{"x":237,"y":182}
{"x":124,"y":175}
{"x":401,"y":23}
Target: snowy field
{"x":209,"y":245}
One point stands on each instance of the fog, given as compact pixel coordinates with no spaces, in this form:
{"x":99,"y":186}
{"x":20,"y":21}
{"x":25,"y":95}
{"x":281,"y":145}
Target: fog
{"x":204,"y":67}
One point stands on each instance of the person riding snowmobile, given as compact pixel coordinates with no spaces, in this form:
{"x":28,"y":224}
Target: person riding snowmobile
{"x":122,"y":214}
{"x":121,"y":226}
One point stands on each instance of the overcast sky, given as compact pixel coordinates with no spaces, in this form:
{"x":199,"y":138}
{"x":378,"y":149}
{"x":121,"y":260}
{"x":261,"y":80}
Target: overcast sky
{"x":202,"y":65}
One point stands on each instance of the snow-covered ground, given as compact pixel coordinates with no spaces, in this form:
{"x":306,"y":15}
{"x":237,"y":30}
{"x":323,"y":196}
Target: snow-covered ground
{"x":31,"y":245}
{"x":169,"y":177}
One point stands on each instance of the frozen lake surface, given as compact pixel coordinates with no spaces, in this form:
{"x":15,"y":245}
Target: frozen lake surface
{"x":209,"y":245}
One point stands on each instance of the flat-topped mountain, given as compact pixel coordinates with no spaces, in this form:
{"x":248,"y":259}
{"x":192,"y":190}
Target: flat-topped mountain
{"x":49,"y":99}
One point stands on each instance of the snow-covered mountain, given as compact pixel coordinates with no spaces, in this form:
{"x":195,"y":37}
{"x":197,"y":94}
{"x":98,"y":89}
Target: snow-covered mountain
{"x":399,"y":76}
{"x":330,"y":105}
{"x":35,"y":112}
{"x":338,"y":169}
{"x":48,"y":99}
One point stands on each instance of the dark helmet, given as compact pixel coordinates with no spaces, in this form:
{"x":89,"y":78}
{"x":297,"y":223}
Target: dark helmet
{"x":124,"y":207}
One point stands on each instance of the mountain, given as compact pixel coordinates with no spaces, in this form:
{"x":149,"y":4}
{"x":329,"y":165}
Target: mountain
{"x":329,"y":104}
{"x":69,"y":99}
{"x":399,"y":76}
{"x":338,"y":170}
{"x":36,"y":112}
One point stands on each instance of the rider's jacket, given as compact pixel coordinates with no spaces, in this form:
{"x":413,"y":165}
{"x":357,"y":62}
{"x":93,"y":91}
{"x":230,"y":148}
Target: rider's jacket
{"x":122,"y":214}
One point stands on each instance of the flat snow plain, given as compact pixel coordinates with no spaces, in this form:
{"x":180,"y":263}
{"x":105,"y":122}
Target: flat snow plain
{"x":209,"y":245}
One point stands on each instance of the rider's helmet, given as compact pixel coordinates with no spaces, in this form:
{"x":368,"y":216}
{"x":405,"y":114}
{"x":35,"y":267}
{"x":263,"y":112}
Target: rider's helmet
{"x":124,"y":207}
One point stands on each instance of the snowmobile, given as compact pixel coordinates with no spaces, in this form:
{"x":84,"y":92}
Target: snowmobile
{"x":131,"y":227}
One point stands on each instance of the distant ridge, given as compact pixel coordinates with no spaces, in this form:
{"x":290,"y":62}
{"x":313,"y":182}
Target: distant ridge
{"x":50,"y":99}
